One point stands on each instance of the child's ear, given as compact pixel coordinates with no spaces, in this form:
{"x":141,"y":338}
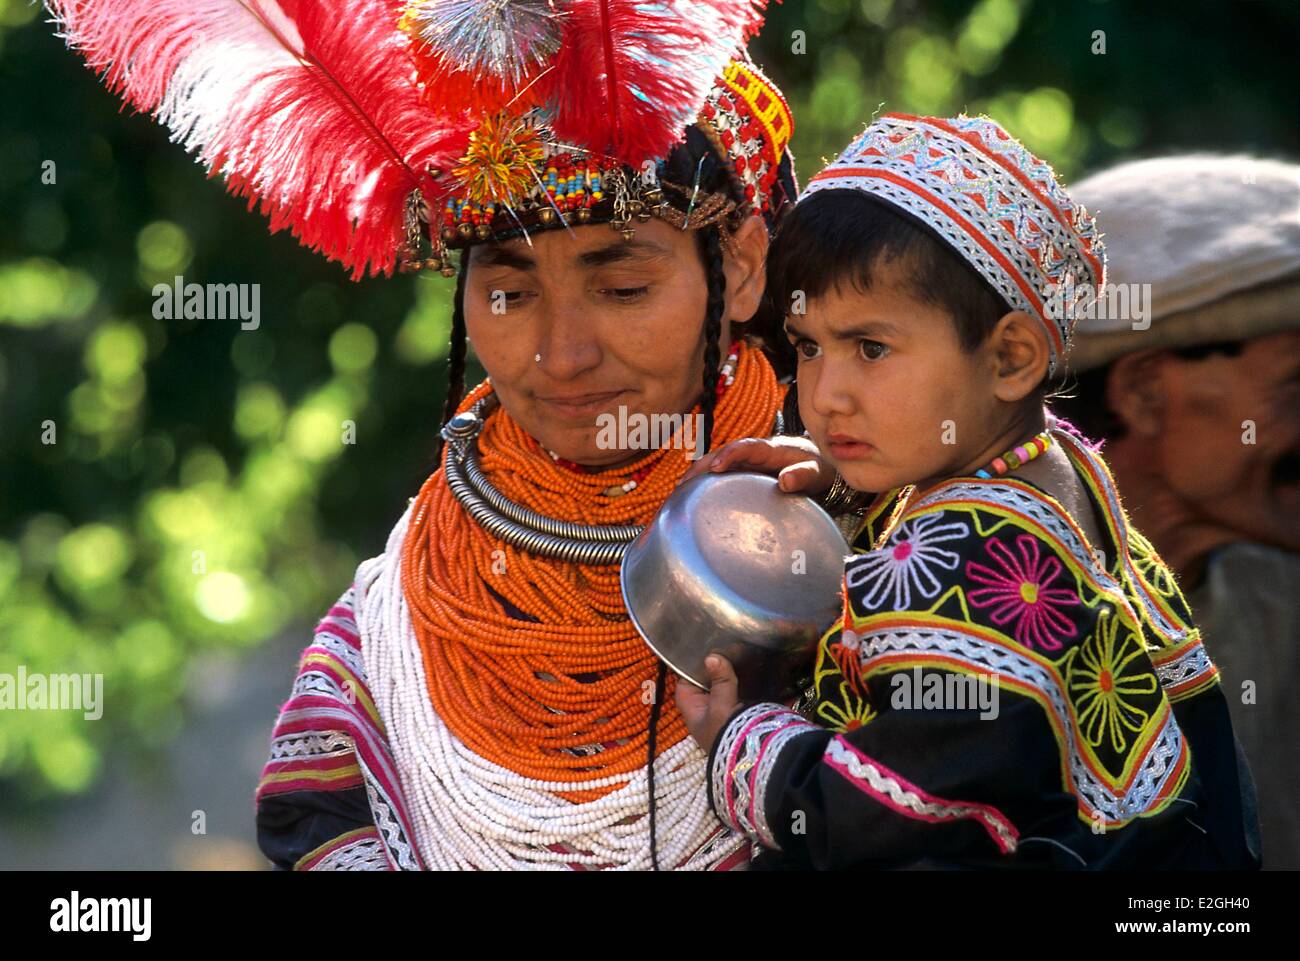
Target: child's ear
{"x":1021,"y":354}
{"x":743,"y":265}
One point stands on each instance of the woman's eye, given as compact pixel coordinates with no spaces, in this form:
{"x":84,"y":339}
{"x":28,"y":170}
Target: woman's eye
{"x":503,"y":300}
{"x":625,"y":294}
{"x":872,"y":350}
{"x":806,"y":349}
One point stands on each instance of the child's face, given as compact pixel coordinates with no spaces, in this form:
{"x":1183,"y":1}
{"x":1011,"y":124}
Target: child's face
{"x":885,"y":388}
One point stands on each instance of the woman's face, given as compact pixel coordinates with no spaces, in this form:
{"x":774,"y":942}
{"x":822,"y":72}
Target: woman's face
{"x":582,"y":322}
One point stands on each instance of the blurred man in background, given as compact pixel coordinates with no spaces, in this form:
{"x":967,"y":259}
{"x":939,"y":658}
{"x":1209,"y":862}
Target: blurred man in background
{"x":1196,"y":389}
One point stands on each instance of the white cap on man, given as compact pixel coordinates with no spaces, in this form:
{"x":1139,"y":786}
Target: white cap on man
{"x":1216,"y":237}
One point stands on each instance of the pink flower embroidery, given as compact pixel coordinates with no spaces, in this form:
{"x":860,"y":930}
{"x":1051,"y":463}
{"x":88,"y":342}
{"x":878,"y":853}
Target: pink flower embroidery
{"x":1020,"y":592}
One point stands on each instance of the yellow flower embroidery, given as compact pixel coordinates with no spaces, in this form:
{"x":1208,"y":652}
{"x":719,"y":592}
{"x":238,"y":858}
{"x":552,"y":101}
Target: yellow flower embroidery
{"x":1107,"y":674}
{"x":1149,"y":564}
{"x":848,"y":712}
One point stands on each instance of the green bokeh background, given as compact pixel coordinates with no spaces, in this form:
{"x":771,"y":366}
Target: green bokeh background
{"x":200,"y":494}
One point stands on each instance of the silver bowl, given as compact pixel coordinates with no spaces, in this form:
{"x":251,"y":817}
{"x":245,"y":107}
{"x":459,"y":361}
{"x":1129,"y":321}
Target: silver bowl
{"x":717,"y":570}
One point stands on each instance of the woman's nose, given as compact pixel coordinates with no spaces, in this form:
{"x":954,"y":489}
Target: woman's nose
{"x":570,"y":344}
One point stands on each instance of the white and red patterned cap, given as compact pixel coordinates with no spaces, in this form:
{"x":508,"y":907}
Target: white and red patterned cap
{"x":991,"y":200}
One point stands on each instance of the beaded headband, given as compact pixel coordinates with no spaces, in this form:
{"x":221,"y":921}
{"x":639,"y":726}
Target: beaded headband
{"x":516,"y":176}
{"x":992,"y":201}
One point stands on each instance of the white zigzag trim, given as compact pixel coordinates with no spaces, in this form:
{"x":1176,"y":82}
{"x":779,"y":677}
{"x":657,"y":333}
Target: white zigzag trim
{"x":731,"y":782}
{"x":342,"y":650}
{"x":395,"y":840}
{"x":982,"y":657}
{"x":1185,"y":667}
{"x":1050,"y":519}
{"x":365,"y":854}
{"x":882,"y":783}
{"x":316,"y":744}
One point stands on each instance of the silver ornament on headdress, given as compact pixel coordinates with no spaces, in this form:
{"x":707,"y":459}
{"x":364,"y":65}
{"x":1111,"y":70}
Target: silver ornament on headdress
{"x":506,"y":39}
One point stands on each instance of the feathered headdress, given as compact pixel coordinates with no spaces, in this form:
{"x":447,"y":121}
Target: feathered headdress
{"x":363,"y":125}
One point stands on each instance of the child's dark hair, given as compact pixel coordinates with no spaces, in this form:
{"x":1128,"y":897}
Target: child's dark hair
{"x":838,"y":239}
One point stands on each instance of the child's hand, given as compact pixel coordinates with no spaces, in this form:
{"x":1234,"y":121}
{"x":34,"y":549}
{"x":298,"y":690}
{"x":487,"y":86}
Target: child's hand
{"x":706,"y":712}
{"x":797,"y":463}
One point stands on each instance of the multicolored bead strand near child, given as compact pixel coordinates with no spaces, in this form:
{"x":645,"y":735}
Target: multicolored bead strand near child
{"x":1016,"y":679}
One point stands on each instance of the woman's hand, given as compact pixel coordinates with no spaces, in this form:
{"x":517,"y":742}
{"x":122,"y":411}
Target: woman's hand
{"x":796,"y":462}
{"x":706,"y":712}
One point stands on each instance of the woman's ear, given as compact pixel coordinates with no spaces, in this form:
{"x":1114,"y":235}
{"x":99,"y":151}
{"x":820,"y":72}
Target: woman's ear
{"x":1020,"y":352}
{"x":744,"y":266}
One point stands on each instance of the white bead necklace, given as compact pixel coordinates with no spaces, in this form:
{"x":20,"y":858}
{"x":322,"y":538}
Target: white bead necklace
{"x":469,"y":812}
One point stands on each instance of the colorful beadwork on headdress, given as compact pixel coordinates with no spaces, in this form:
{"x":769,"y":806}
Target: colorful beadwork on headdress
{"x":752,"y":124}
{"x":515,"y":177}
{"x":745,"y":118}
{"x":995,"y":203}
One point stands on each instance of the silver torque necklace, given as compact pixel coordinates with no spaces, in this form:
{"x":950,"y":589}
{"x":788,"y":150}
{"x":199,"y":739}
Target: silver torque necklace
{"x":513,"y":523}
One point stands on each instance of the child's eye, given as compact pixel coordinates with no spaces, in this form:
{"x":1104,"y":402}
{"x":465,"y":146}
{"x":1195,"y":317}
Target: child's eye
{"x":806,"y":349}
{"x":872,"y":350}
{"x":625,"y":295}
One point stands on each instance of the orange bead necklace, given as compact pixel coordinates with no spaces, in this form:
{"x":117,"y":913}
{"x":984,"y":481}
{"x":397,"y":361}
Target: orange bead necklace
{"x":565,"y":693}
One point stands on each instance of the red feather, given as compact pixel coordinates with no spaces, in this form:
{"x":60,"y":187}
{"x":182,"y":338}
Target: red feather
{"x":631,"y":74}
{"x":309,"y":108}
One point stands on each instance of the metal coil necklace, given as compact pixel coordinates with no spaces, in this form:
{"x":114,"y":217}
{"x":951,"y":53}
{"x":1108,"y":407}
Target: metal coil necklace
{"x":513,"y":523}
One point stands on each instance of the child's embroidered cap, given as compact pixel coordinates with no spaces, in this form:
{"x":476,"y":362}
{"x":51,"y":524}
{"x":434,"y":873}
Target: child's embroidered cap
{"x":993,"y":201}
